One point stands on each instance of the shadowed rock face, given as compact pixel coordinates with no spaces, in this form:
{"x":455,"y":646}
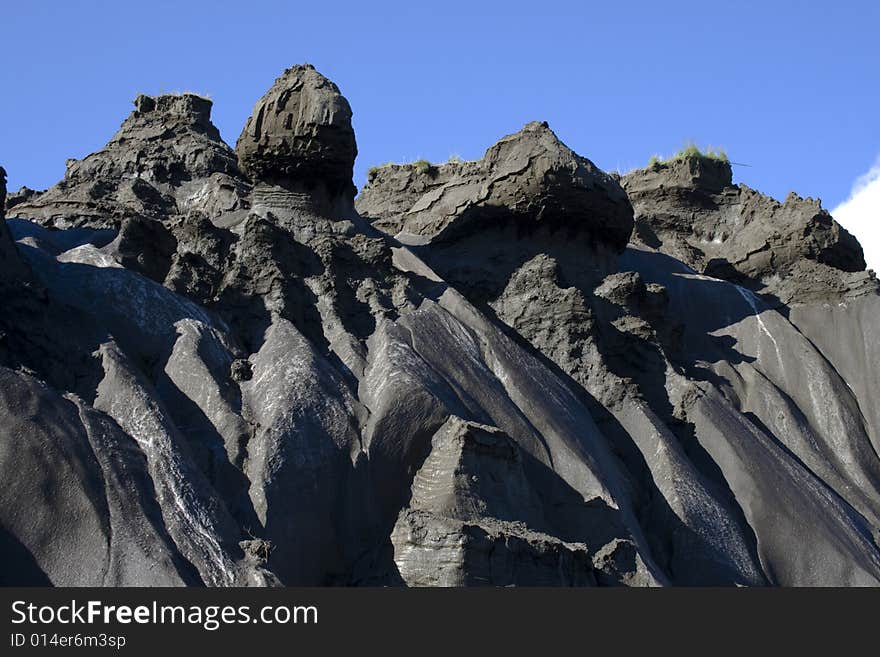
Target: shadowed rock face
{"x":474,"y":518}
{"x":7,"y":248}
{"x":530,"y":196}
{"x":22,"y":195}
{"x":224,"y":375}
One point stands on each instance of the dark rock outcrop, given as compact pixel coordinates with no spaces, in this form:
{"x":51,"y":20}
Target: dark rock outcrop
{"x":166,"y":158}
{"x":22,"y":195}
{"x":222,"y":375}
{"x":475,"y":519}
{"x":145,"y":246}
{"x":529,"y":179}
{"x":299,"y":136}
{"x":794,"y":250}
{"x":7,"y":248}
{"x":3,"y":175}
{"x":12,"y":270}
{"x":476,"y":223}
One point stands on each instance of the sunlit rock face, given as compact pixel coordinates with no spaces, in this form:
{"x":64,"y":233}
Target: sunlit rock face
{"x":166,"y":159}
{"x":529,"y":179}
{"x":792,"y":251}
{"x":514,"y":371}
{"x":299,"y":137}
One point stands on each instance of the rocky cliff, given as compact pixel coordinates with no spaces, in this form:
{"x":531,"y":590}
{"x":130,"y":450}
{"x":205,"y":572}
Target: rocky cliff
{"x":218,"y":368}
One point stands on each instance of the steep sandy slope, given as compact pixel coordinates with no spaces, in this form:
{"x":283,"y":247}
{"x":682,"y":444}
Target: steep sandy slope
{"x":225,"y":374}
{"x":709,"y":395}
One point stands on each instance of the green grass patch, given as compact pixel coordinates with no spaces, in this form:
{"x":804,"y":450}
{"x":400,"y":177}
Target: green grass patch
{"x":372,"y":171}
{"x":691,"y":151}
{"x":422,"y":166}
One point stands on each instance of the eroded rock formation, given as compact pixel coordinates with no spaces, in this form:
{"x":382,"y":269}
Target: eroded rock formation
{"x":793,"y":250}
{"x":529,"y":178}
{"x":166,"y":159}
{"x":222,"y":372}
{"x":300,"y":135}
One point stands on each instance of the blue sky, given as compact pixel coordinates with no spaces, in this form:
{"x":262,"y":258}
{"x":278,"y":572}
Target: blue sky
{"x":789,"y":88}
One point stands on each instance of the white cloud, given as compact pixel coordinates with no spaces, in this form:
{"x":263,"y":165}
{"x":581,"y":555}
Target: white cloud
{"x":860,"y":214}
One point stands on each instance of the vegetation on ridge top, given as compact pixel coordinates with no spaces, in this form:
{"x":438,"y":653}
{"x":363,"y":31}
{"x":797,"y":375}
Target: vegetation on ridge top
{"x":691,"y":151}
{"x":422,"y":166}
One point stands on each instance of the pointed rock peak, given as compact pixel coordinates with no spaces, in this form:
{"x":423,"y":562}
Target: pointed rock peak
{"x":537,"y":134}
{"x":475,"y":471}
{"x":538,"y":126}
{"x":300,"y":134}
{"x":529,"y":179}
{"x":537,"y":145}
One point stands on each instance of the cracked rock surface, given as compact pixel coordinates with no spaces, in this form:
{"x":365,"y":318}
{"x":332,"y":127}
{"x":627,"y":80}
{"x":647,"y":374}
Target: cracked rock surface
{"x":166,"y":159}
{"x":217,"y":368}
{"x":791,"y":252}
